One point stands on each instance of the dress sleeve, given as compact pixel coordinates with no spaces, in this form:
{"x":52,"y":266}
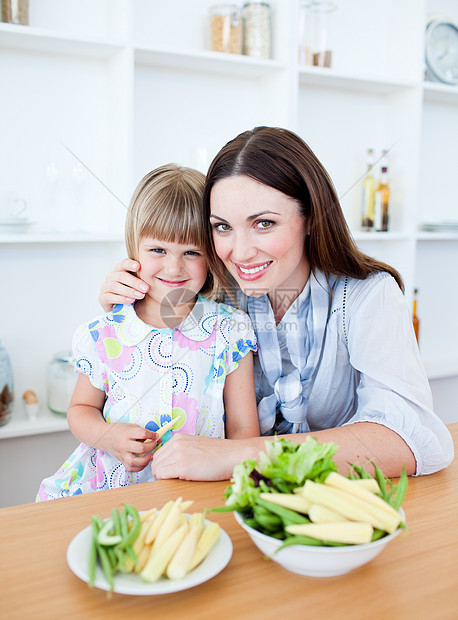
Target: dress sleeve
{"x":85,"y":358}
{"x":393,"y":389}
{"x":238,"y":338}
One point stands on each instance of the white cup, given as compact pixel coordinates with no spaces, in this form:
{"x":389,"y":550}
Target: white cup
{"x":11,"y":206}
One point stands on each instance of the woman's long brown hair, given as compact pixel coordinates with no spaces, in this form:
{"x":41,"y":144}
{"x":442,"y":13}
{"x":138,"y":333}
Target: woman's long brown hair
{"x":280,"y":159}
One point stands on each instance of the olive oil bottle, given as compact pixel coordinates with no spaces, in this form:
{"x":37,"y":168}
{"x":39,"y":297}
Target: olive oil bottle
{"x":368,"y":194}
{"x":382,"y":202}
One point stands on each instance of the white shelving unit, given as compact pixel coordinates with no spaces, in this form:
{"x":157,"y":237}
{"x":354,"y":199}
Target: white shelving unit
{"x":125,"y":85}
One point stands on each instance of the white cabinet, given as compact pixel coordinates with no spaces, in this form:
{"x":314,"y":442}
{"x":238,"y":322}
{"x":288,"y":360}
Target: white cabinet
{"x":107,"y":90}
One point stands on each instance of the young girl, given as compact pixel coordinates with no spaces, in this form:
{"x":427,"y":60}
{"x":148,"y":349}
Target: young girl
{"x":176,"y":354}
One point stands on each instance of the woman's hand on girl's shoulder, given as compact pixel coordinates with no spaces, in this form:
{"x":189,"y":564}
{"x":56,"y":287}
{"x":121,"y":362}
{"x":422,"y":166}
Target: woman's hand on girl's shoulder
{"x":122,"y":286}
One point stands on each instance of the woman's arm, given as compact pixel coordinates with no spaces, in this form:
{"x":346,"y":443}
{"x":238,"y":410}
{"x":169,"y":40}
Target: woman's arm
{"x":191,"y":457}
{"x":121,"y":286}
{"x":241,"y":414}
{"x":121,"y":440}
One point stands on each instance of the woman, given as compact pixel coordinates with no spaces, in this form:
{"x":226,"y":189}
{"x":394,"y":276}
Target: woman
{"x":337,"y":357}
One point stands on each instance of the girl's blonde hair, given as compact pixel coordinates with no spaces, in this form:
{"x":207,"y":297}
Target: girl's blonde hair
{"x":167,"y":205}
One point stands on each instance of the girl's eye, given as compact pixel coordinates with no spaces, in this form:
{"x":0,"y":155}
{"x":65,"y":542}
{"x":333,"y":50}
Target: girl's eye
{"x":264,"y":224}
{"x":157,"y":250}
{"x":221,"y":227}
{"x":192,"y":253}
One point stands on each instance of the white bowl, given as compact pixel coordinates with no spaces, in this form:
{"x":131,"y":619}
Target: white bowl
{"x":318,"y":561}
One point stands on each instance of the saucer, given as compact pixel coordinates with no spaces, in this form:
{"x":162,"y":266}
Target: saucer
{"x":14,"y":224}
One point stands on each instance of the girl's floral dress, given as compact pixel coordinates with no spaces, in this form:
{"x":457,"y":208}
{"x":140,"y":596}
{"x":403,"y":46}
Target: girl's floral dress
{"x":150,"y":376}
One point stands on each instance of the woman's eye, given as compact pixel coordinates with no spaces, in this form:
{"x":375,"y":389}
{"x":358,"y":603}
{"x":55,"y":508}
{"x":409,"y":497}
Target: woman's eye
{"x":221,"y":227}
{"x":264,"y":224}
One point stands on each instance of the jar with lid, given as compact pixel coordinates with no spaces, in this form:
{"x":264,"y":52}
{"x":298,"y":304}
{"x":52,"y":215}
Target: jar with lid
{"x":61,"y":382}
{"x":257,"y":29}
{"x":6,"y":386}
{"x":315,"y":32}
{"x":225,"y":28}
{"x":15,"y":12}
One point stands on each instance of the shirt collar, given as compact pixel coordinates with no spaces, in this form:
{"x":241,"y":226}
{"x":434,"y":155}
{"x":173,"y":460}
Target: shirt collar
{"x":131,"y":330}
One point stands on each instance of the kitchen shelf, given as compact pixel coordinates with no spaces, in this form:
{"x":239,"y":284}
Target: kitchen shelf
{"x":380,"y":236}
{"x":45,"y":422}
{"x":29,"y":39}
{"x":60,"y":238}
{"x":441,"y":369}
{"x":436,"y":236}
{"x":206,"y":62}
{"x":440,"y":93}
{"x":320,"y":77}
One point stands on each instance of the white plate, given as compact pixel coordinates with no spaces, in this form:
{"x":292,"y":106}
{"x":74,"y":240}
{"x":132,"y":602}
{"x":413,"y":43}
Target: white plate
{"x":78,"y":553}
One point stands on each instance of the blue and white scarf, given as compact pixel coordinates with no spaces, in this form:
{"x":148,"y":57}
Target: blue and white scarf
{"x":305,"y":345}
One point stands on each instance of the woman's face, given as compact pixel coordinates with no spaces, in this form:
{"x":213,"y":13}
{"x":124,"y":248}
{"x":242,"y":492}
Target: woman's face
{"x":259,"y":234}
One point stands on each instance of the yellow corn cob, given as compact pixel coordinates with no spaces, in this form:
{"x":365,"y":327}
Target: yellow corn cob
{"x":179,"y":564}
{"x":205,"y":544}
{"x":350,"y":532}
{"x":146,"y":515}
{"x":370,"y":484}
{"x":142,"y":558}
{"x":159,"y":559}
{"x":337,"y":481}
{"x":343,"y":503}
{"x":288,"y":500}
{"x":169,"y":525}
{"x":158,"y":521}
{"x":321,"y":514}
{"x":186,"y":504}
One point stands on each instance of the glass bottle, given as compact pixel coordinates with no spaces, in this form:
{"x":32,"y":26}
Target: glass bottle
{"x":415,"y":319}
{"x":257,"y":29}
{"x":6,"y":386}
{"x":382,"y":202}
{"x":225,"y":28}
{"x":368,"y":194}
{"x":61,"y":382}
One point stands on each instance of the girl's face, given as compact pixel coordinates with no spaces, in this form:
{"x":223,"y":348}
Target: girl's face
{"x":259,"y":234}
{"x":175,"y":272}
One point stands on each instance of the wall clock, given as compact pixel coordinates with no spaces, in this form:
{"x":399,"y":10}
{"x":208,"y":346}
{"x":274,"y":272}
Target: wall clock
{"x":441,"y":50}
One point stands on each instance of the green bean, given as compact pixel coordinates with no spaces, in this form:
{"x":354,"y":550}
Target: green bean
{"x":106,"y":565}
{"x":288,"y":516}
{"x":131,"y":535}
{"x":116,"y":522}
{"x":112,"y":557}
{"x":92,"y":562}
{"x":401,"y":490}
{"x":381,"y":480}
{"x":378,"y":534}
{"x":300,"y":539}
{"x":362,"y":473}
{"x":132,"y":554}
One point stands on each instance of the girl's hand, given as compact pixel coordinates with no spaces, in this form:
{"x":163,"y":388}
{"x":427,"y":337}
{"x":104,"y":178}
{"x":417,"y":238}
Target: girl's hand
{"x":193,"y":457}
{"x":122,"y":286}
{"x":126,"y":442}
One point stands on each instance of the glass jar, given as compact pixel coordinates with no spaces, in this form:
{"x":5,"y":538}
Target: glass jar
{"x":315,"y":21}
{"x":15,"y":12}
{"x":61,"y":382}
{"x":6,"y":386}
{"x":225,"y":28}
{"x":257,"y":29}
